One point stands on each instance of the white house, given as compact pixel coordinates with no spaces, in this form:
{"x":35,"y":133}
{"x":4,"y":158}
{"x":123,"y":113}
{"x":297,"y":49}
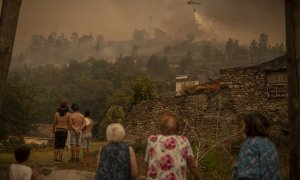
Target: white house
{"x":184,"y":81}
{"x":36,"y":137}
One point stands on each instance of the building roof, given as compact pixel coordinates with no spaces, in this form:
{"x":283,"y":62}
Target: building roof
{"x":279,"y":63}
{"x":185,"y":78}
{"x":34,"y":133}
{"x":46,"y":129}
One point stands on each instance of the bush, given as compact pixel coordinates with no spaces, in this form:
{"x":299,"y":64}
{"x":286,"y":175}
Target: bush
{"x":12,"y":142}
{"x":139,"y":147}
{"x":217,"y":164}
{"x":114,"y":114}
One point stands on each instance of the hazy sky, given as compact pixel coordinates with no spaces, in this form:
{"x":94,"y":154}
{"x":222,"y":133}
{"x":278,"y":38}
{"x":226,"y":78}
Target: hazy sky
{"x":116,"y":19}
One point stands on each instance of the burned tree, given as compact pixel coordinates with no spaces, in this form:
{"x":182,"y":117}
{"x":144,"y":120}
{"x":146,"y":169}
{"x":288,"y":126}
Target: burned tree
{"x":8,"y":27}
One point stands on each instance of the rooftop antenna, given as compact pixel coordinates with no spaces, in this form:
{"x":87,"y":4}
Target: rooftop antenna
{"x":56,"y":27}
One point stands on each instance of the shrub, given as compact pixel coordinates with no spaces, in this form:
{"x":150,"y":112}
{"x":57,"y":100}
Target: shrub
{"x":13,"y":141}
{"x":139,"y":147}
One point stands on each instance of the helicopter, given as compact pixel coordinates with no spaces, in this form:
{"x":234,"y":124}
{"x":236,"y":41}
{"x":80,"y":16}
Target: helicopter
{"x":191,"y":2}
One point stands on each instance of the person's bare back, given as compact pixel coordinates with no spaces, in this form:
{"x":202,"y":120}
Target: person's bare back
{"x":77,"y":121}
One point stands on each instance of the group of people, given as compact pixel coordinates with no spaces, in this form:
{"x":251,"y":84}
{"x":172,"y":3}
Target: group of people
{"x":71,"y":129}
{"x":168,"y":154}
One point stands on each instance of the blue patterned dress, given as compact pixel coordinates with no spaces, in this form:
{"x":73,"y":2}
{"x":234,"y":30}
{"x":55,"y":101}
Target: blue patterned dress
{"x":114,"y":162}
{"x":258,"y":159}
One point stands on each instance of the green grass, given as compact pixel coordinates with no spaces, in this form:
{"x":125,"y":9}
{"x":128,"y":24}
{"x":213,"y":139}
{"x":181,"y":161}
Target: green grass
{"x":215,"y":165}
{"x":43,"y":157}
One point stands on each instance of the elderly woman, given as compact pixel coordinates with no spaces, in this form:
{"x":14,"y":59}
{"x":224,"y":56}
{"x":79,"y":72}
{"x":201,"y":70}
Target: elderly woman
{"x":258,"y":157}
{"x":169,"y":155}
{"x":117,"y":160}
{"x":60,"y":129}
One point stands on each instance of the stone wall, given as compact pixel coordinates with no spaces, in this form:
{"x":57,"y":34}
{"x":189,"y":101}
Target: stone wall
{"x":248,"y":90}
{"x":215,"y":116}
{"x":201,"y":111}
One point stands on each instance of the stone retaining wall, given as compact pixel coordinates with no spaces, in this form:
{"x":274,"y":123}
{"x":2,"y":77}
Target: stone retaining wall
{"x":201,"y":111}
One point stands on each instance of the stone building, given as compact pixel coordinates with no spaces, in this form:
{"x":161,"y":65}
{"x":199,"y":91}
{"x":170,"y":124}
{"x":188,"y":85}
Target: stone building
{"x":260,"y":88}
{"x":217,"y":116}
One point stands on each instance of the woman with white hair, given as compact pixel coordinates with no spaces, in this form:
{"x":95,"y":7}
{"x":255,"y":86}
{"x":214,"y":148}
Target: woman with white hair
{"x":117,"y":160}
{"x":170,"y":155}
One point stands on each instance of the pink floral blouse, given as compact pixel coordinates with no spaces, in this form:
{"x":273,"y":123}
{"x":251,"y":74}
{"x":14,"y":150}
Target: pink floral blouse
{"x":167,"y":157}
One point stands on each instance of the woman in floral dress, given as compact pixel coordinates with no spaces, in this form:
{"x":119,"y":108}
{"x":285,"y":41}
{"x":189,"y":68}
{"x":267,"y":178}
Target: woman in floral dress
{"x":258,"y":157}
{"x":169,"y":155}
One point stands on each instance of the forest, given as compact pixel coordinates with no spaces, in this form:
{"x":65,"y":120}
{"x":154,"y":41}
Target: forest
{"x":99,"y":74}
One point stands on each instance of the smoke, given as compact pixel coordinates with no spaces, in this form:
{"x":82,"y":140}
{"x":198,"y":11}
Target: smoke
{"x":116,"y":20}
{"x":178,"y":20}
{"x":206,"y":26}
{"x":221,"y":19}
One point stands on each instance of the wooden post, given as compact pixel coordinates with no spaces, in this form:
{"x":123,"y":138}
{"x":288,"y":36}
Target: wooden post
{"x":292,"y":8}
{"x":8,"y":27}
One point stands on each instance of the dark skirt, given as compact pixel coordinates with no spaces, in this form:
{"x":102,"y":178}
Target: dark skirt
{"x":60,"y":138}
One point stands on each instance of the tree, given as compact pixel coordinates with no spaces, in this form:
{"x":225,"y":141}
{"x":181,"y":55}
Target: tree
{"x":229,"y":48}
{"x":164,"y":64}
{"x":134,"y":50}
{"x":253,"y":48}
{"x":207,"y":50}
{"x":74,"y":37}
{"x":152,"y":63}
{"x":86,"y":39}
{"x":115,"y":114}
{"x":99,"y":42}
{"x":122,"y":97}
{"x":139,"y":35}
{"x":186,"y":63}
{"x":277,"y":50}
{"x":8,"y":27}
{"x":263,"y":44}
{"x":19,"y":108}
{"x":263,"y":41}
{"x":100,"y":38}
{"x":125,"y":64}
{"x":144,"y":89}
{"x":37,"y":42}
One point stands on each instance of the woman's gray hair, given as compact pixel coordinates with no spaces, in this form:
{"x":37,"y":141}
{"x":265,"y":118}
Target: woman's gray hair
{"x":115,"y":132}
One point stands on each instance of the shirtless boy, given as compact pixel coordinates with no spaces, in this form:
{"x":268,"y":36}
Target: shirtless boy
{"x":77,"y":124}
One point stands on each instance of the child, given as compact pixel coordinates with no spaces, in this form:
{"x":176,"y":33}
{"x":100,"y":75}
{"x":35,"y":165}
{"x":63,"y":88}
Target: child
{"x":21,"y":171}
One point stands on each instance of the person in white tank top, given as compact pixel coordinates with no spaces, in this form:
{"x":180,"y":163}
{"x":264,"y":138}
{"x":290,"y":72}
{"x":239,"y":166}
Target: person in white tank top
{"x":20,"y":171}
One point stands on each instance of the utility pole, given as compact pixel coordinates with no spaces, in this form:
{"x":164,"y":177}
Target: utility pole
{"x":8,"y":27}
{"x":292,"y":14}
{"x":150,"y":26}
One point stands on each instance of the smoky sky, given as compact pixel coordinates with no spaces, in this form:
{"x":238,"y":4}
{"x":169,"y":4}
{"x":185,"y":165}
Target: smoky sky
{"x":117,"y":19}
